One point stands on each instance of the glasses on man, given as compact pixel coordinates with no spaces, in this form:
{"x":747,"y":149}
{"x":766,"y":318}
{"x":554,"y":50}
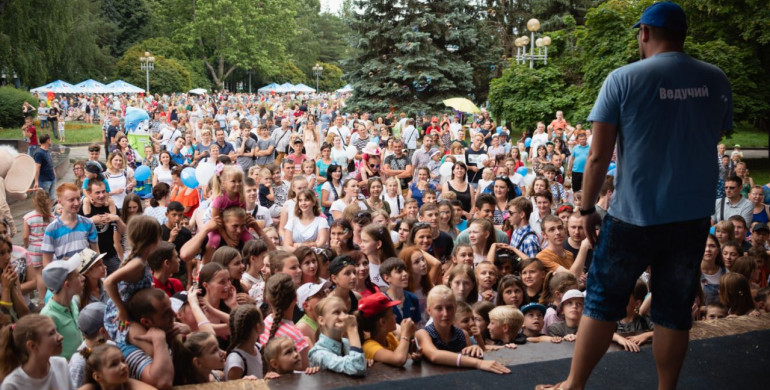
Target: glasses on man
{"x":730,"y":187}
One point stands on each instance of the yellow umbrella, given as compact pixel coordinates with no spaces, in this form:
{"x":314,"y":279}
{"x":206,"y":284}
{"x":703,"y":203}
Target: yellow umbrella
{"x":462,"y":105}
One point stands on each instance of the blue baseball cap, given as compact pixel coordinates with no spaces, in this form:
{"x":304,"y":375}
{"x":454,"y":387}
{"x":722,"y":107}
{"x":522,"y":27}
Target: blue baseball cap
{"x":533,"y":306}
{"x":666,"y":15}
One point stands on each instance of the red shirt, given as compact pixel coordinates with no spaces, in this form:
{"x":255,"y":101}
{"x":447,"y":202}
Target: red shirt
{"x":433,"y":128}
{"x":32,"y":135}
{"x":171,"y":287}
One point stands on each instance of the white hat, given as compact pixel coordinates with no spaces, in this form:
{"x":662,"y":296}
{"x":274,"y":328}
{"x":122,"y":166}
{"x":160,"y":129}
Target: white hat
{"x":57,"y":272}
{"x":371,"y":149}
{"x":308,"y":290}
{"x":571,"y":294}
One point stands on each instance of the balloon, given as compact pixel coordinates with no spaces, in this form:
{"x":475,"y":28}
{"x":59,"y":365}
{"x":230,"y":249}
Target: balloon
{"x":142,"y":173}
{"x":135,"y":116}
{"x":351,"y":151}
{"x":527,"y":142}
{"x":522,"y":171}
{"x":446,"y":170}
{"x":204,"y":172}
{"x":612,"y":172}
{"x":612,"y":166}
{"x":188,"y":177}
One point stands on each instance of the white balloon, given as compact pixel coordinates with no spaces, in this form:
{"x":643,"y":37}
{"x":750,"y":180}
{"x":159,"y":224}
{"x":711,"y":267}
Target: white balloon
{"x":446,"y":170}
{"x":204,"y":172}
{"x":351,"y":151}
{"x":529,"y":179}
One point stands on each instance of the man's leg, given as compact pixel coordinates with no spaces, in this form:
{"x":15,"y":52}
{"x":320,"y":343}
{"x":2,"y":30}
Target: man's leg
{"x":669,"y":347}
{"x":593,"y":339}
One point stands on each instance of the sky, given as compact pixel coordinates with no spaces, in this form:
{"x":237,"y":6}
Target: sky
{"x":331,"y":6}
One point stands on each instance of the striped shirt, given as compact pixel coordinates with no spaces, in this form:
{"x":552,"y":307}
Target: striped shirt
{"x":36,"y":232}
{"x":64,"y":242}
{"x":287,"y":328}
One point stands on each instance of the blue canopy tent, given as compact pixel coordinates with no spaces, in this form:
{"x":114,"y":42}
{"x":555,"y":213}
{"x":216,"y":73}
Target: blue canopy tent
{"x":303,"y":88}
{"x":57,"y":86}
{"x":285,"y":88}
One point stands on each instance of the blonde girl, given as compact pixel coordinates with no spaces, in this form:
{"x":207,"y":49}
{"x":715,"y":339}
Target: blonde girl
{"x":724,"y":231}
{"x":487,"y":178}
{"x":309,"y":171}
{"x":107,"y":370}
{"x":29,"y":355}
{"x":282,"y":358}
{"x":332,"y":351}
{"x":443,"y":343}
{"x":393,"y":197}
{"x":227,"y":191}
{"x":486,"y":279}
{"x":281,"y":294}
{"x":34,"y":226}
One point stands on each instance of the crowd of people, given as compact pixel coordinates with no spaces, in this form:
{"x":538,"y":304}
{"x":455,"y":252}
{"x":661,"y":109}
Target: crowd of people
{"x":324,"y":240}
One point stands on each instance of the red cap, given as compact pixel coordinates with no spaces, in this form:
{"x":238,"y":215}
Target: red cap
{"x":374,"y":304}
{"x":434,"y":119}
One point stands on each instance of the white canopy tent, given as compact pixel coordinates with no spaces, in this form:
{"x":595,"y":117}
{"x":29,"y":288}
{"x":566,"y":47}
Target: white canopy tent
{"x":347,"y":88}
{"x":269,"y":87}
{"x":90,"y":86}
{"x":120,"y":86}
{"x":57,"y":86}
{"x":303,"y":88}
{"x":285,"y":87}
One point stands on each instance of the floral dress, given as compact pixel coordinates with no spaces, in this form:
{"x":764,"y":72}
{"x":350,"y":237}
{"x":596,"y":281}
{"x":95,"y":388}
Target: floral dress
{"x":126,"y":290}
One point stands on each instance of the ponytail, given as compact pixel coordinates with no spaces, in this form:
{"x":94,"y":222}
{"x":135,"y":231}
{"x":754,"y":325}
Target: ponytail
{"x":281,"y":294}
{"x":13,"y":342}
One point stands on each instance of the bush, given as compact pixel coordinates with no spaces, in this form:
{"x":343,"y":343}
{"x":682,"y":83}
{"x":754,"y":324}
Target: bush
{"x":168,"y":76}
{"x":11,"y":100}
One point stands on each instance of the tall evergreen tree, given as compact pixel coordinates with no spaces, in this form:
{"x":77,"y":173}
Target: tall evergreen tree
{"x":413,"y":54}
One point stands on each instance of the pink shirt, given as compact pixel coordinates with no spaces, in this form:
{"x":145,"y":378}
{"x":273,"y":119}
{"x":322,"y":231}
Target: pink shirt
{"x":287,"y":328}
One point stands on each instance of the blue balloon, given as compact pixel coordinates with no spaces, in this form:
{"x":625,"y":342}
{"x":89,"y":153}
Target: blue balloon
{"x":142,"y":173}
{"x":522,"y":171}
{"x":527,"y":142}
{"x":712,"y":230}
{"x":612,"y":172}
{"x":188,"y":177}
{"x":612,"y":166}
{"x":135,"y":116}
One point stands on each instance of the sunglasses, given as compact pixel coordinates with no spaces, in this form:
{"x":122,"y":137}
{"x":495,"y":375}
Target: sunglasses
{"x":730,"y":188}
{"x":420,"y":225}
{"x":362,"y":215}
{"x":374,"y":166}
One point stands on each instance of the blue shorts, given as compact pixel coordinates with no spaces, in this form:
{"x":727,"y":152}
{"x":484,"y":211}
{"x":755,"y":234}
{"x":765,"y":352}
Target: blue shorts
{"x":673,"y":251}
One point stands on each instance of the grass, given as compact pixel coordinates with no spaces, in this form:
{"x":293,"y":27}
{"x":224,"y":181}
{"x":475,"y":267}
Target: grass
{"x":75,"y":133}
{"x":759,"y":169}
{"x":747,"y":137}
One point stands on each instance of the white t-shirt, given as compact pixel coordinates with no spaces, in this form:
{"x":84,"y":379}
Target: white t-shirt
{"x":253,"y":362}
{"x":304,"y":233}
{"x":410,"y":137}
{"x":342,"y":131}
{"x":289,"y":206}
{"x":163,"y":175}
{"x":334,"y":192}
{"x":263,"y":214}
{"x":454,"y":130}
{"x":396,"y":203}
{"x":539,"y":139}
{"x":58,"y":378}
{"x":339,"y":205}
{"x":374,"y":275}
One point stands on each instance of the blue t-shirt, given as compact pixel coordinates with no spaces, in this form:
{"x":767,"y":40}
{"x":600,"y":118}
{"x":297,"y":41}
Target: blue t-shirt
{"x":580,"y":154}
{"x":178,"y":158}
{"x":410,"y":308}
{"x":43,"y":157}
{"x":670,"y":111}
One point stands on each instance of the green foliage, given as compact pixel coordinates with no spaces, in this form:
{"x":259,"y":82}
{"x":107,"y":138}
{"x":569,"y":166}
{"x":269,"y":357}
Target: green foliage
{"x":163,"y":47}
{"x":132,"y":19}
{"x":11,"y":100}
{"x":291,"y":74}
{"x":404,"y":62}
{"x":331,"y":78}
{"x":168,"y":76}
{"x":48,"y":39}
{"x":581,"y":57}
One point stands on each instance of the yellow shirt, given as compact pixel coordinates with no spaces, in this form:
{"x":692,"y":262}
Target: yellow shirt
{"x":371,"y":346}
{"x":552,"y":261}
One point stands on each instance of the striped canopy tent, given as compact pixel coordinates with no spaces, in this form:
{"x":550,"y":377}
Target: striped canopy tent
{"x":90,"y":86}
{"x":57,"y":86}
{"x":120,"y":86}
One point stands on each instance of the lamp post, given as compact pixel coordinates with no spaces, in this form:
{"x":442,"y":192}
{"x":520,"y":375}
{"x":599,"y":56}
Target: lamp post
{"x":541,"y":54}
{"x":147,"y":63}
{"x":317,"y":70}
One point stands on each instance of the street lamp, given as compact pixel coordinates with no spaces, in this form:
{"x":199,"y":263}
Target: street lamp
{"x":147,"y":63}
{"x":317,"y":70}
{"x":542,"y":46}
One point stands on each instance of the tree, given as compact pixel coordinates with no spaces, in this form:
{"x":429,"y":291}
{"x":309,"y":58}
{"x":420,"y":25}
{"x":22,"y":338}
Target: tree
{"x":168,"y":76}
{"x":417,"y":55}
{"x":165,"y":48}
{"x":331,"y":78}
{"x":289,"y":73}
{"x":227,"y":34}
{"x":132,"y":19}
